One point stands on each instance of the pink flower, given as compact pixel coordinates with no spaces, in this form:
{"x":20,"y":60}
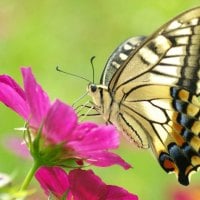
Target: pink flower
{"x":32,"y":103}
{"x":79,"y":185}
{"x":58,"y":135}
{"x":191,"y":193}
{"x":16,"y":146}
{"x":53,"y":180}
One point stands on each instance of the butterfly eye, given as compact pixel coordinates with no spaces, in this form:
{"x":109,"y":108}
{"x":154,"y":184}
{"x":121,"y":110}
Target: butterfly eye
{"x":93,"y":88}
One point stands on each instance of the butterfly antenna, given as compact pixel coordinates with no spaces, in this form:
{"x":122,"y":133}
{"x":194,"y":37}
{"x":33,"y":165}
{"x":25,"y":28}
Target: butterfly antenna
{"x":92,"y":64}
{"x":71,"y":74}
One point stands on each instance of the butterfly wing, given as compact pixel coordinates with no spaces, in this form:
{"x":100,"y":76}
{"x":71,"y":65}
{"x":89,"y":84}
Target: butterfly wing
{"x":157,"y":89}
{"x":118,"y":57}
{"x":175,"y":45}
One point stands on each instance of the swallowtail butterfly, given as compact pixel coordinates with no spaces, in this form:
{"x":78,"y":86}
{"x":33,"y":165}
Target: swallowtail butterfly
{"x":150,"y":90}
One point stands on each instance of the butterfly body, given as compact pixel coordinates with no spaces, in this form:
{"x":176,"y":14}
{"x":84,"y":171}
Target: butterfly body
{"x":150,"y":91}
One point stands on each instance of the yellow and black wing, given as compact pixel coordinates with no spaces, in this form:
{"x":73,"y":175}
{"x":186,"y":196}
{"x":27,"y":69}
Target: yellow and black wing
{"x":157,"y":88}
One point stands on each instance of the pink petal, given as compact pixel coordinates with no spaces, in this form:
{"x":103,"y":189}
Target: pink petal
{"x":182,"y":196}
{"x":81,"y":131}
{"x":191,"y":193}
{"x":105,"y":159}
{"x":53,"y":180}
{"x":11,"y":98}
{"x":60,"y":122}
{"x":85,"y":185}
{"x":92,"y":137}
{"x":37,"y":99}
{"x":92,"y":142}
{"x":117,"y":193}
{"x":12,"y":83}
{"x":16,"y":145}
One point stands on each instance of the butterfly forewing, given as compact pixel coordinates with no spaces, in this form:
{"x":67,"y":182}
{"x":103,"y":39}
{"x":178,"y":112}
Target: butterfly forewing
{"x":118,"y":57}
{"x":154,"y":94}
{"x":175,"y":44}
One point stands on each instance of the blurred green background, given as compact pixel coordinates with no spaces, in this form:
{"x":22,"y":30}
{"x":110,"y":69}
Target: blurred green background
{"x":44,"y":34}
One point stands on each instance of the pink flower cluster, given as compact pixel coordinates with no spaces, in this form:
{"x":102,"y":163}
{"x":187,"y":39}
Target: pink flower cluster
{"x":58,"y":137}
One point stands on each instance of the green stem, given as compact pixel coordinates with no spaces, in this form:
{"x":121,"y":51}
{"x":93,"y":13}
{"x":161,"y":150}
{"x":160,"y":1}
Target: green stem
{"x":29,"y":176}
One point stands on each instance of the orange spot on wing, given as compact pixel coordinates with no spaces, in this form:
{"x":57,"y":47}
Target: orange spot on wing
{"x":169,"y":165}
{"x":178,"y":139}
{"x":184,"y":95}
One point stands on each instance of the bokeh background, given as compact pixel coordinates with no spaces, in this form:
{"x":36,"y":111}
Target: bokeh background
{"x":44,"y":34}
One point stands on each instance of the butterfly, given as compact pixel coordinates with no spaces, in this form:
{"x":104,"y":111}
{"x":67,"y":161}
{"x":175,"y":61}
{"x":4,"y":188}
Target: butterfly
{"x":150,"y":90}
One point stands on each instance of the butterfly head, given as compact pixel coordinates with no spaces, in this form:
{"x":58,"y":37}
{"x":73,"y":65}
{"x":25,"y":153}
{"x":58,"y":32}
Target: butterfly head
{"x":97,"y":92}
